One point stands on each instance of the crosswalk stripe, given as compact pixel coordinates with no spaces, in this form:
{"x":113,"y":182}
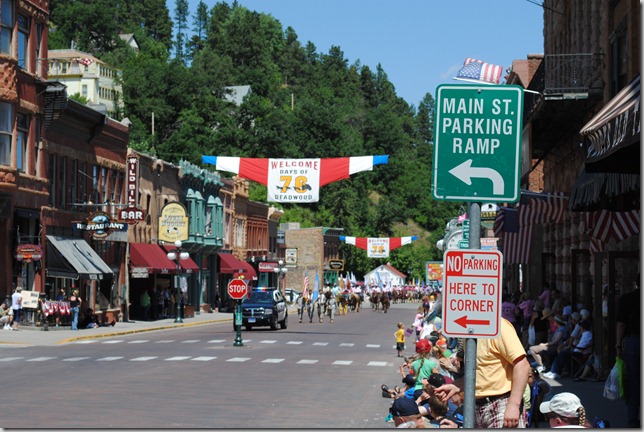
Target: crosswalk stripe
{"x":217,"y":341}
{"x":7,"y":359}
{"x":273,"y":360}
{"x":177,"y":358}
{"x":190,"y":341}
{"x":143,"y":358}
{"x":294,"y":343}
{"x":372,"y":346}
{"x":85,"y":342}
{"x":320,"y":343}
{"x":165,"y":341}
{"x":75,"y":358}
{"x":377,"y":363}
{"x":347,"y":344}
{"x":268,"y":341}
{"x":40,"y":359}
{"x":203,"y":358}
{"x":139,"y":341}
{"x":307,"y":361}
{"x":342,"y":362}
{"x":238,"y":359}
{"x":109,"y":358}
{"x":113,"y":341}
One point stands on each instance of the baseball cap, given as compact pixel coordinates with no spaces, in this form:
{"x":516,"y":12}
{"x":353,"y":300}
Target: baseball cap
{"x":404,"y":406}
{"x":584,"y":314}
{"x":410,"y":380}
{"x":436,"y":380}
{"x":563,"y":404}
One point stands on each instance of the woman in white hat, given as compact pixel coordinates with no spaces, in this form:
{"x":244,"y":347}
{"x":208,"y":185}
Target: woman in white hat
{"x":565,"y":410}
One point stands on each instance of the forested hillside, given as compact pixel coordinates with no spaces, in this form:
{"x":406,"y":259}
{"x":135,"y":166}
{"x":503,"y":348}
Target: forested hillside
{"x":303,"y":104}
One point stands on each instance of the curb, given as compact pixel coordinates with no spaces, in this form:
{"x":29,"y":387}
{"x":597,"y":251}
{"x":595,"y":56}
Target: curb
{"x":127,"y":332}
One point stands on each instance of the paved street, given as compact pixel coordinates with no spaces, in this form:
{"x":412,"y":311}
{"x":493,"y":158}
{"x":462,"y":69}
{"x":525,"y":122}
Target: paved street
{"x":165,"y":375}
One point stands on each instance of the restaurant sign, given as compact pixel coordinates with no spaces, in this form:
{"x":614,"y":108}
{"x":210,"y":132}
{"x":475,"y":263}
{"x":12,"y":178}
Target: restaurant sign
{"x":100,"y":225}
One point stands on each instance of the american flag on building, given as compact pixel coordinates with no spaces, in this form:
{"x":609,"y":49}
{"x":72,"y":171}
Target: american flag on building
{"x":516,"y":225}
{"x":478,"y":71}
{"x":84,"y":61}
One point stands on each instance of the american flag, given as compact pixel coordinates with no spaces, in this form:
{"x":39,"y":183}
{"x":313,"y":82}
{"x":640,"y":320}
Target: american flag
{"x":305,"y":293}
{"x":476,"y":70}
{"x":515,"y":225}
{"x":85,"y":61}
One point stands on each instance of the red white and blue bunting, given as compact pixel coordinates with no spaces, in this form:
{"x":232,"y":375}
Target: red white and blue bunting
{"x":295,"y":180}
{"x":378,"y":247}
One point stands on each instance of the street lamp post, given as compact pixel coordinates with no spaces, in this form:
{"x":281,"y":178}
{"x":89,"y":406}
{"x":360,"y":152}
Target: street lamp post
{"x":281,"y":270}
{"x":176,"y":255}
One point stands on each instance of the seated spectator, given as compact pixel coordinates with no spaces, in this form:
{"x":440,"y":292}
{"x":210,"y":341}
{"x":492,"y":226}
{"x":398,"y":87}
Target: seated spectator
{"x":580,"y":350}
{"x":564,"y":410}
{"x":6,"y":316}
{"x":90,"y":320}
{"x":545,"y":352}
{"x":407,"y":390}
{"x":406,"y":413}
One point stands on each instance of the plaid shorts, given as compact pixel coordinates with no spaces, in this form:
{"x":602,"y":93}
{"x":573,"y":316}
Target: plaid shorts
{"x":491,"y":414}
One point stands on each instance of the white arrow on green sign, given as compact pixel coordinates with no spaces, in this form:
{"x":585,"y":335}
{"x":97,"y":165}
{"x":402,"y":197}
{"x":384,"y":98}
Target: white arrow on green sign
{"x":477,"y":146}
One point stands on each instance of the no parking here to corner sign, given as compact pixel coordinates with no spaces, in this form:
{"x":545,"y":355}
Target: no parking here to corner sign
{"x":472,"y":293}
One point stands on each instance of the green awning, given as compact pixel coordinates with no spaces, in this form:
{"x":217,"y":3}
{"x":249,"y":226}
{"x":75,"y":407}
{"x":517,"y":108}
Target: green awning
{"x":73,"y":258}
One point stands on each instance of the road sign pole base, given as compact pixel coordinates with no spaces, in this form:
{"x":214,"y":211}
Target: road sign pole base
{"x":238,"y":325}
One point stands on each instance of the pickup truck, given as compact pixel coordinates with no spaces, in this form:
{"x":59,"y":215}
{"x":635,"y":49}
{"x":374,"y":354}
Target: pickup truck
{"x":264,"y":306}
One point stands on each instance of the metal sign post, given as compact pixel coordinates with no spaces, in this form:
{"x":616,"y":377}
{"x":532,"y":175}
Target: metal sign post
{"x":474,"y":213}
{"x":238,"y":324}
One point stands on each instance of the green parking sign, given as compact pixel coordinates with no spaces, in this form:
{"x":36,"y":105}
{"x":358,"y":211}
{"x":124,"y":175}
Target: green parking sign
{"x":477,"y":146}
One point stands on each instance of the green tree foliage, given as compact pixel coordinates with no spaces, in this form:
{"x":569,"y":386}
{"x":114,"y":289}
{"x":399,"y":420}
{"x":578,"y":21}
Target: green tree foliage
{"x":304,"y":104}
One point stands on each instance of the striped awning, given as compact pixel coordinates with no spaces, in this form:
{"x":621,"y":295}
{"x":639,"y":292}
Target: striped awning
{"x":612,"y":136}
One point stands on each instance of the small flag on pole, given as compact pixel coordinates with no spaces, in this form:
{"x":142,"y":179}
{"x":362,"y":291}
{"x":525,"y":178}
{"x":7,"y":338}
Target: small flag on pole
{"x":480,"y":72}
{"x":305,"y":292}
{"x":316,"y":288}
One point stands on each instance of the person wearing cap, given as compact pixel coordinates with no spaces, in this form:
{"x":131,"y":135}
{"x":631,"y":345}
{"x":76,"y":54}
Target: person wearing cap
{"x":405,"y":410}
{"x":548,"y":350}
{"x":565,"y":410}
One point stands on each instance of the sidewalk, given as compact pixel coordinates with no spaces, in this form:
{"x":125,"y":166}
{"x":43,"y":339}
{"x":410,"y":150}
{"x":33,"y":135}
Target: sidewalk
{"x":35,"y":336}
{"x":591,"y":395}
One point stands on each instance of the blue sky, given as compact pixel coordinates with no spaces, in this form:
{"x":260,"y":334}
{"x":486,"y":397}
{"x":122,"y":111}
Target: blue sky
{"x":419,"y":43}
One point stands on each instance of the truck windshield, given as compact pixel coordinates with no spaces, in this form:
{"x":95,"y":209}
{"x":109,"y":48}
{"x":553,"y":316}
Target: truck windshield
{"x":260,"y":297}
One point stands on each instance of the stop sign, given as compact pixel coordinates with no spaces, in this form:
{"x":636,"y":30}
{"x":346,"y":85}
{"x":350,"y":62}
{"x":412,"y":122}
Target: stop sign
{"x":237,"y":289}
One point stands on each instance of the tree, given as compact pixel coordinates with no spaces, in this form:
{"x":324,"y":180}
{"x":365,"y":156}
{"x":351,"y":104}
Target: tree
{"x":181,"y":14}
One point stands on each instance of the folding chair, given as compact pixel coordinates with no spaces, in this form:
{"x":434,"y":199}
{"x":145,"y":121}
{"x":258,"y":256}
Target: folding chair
{"x":539,"y":391}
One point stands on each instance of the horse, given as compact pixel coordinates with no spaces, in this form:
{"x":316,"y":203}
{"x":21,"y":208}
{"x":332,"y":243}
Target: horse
{"x":342,"y":302}
{"x":354,"y":302}
{"x":374,"y":299}
{"x":384,"y":301}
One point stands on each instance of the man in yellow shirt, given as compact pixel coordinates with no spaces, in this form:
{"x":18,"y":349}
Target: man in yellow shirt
{"x":501,"y":377}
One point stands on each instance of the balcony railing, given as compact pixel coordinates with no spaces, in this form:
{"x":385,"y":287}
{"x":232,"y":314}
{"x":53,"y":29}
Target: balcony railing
{"x":565,"y":76}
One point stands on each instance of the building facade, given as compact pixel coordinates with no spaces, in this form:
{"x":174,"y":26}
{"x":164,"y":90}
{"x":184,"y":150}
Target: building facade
{"x":581,"y":138}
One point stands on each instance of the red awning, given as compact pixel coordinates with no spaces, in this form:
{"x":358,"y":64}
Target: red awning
{"x":187,"y":266}
{"x":231,"y":265}
{"x":152,"y":257}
